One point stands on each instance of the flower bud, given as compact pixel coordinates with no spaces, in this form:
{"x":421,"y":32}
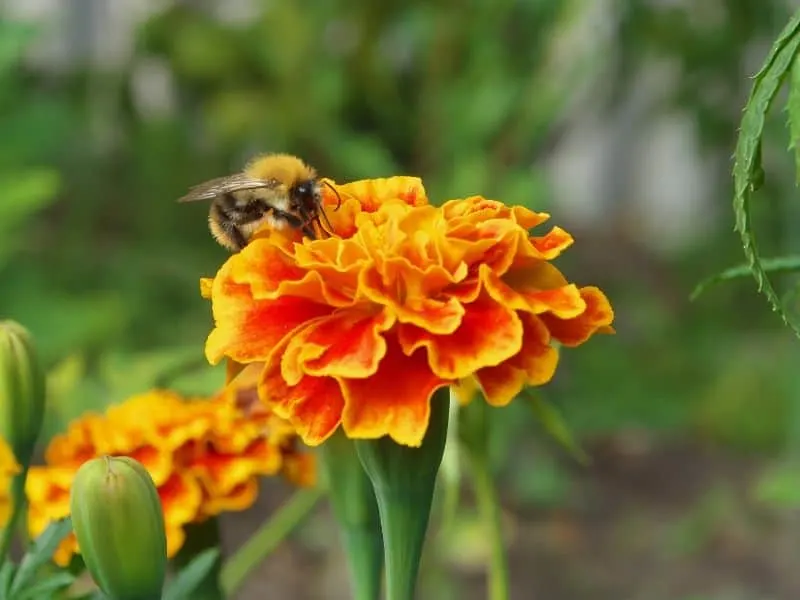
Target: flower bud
{"x":119,"y":524}
{"x":22,"y":390}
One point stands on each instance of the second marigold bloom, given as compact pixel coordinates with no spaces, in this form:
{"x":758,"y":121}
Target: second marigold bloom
{"x":360,"y":329}
{"x":205,"y":457}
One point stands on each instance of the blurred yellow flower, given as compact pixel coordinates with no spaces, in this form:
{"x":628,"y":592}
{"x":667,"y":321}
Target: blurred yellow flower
{"x":205,"y":457}
{"x":8,"y":468}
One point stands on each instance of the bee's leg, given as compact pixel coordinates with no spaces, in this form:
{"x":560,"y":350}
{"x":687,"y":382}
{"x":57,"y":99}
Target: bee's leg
{"x":296,"y":223}
{"x":308,"y":230}
{"x":236,"y":235}
{"x":306,"y":224}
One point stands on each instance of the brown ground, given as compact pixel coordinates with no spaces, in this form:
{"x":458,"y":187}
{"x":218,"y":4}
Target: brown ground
{"x":673,"y":523}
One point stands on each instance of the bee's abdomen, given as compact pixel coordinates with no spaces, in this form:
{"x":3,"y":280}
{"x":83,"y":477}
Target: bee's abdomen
{"x":225,"y":228}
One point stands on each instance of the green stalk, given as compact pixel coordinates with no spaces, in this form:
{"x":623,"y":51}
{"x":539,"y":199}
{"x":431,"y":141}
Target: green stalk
{"x":489,"y":507}
{"x":238,"y":567}
{"x":356,"y":511}
{"x":404,"y":479}
{"x":17,"y":510}
{"x":199,"y":538}
{"x":475,"y":434}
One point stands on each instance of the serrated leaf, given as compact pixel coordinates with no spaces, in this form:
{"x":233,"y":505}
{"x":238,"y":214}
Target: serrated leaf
{"x":552,"y":421}
{"x":40,"y":553}
{"x":778,"y":264}
{"x":191,"y":576}
{"x":41,"y":589}
{"x":747,"y":163}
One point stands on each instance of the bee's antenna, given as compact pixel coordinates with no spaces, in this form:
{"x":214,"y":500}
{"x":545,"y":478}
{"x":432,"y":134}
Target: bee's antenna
{"x":317,"y":216}
{"x":335,"y":191}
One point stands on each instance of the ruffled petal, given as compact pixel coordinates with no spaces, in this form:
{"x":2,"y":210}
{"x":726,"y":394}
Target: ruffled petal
{"x":597,"y":318}
{"x":394,"y":402}
{"x":535,"y":364}
{"x":247,"y":330}
{"x":489,"y":334}
{"x":313,"y":405}
{"x":344,"y":344}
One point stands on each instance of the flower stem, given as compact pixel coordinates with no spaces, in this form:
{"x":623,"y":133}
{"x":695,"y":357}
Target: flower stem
{"x":356,"y":510}
{"x":17,"y":510}
{"x":201,"y":537}
{"x":404,"y":479}
{"x":364,"y":548}
{"x":475,"y":430}
{"x":489,"y":507}
{"x":239,"y":566}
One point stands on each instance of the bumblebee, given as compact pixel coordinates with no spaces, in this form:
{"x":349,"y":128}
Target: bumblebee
{"x":278,"y":190}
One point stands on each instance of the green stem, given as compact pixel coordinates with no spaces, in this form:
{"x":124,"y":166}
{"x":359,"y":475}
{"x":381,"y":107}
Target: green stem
{"x":199,"y":538}
{"x":356,"y":511}
{"x":404,"y":480}
{"x":17,"y":510}
{"x":476,"y":430}
{"x":489,"y":507}
{"x":364,"y":549}
{"x":239,"y":566}
{"x":405,"y":517}
{"x":450,"y":470}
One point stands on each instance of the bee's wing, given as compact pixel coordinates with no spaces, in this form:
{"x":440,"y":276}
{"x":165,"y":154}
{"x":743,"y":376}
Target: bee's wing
{"x":223,"y":185}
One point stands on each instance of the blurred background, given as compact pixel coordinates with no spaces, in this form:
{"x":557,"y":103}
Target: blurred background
{"x":618,"y":117}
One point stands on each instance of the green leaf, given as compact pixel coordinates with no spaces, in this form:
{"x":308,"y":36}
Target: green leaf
{"x":793,"y":108}
{"x":6,"y":575}
{"x":190,"y":577}
{"x":551,"y":419}
{"x":779,"y":264}
{"x":42,"y":589}
{"x":25,"y":193}
{"x":747,"y":165}
{"x":40,"y":553}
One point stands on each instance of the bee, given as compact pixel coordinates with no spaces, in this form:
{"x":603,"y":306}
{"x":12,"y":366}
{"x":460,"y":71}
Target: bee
{"x":278,"y":190}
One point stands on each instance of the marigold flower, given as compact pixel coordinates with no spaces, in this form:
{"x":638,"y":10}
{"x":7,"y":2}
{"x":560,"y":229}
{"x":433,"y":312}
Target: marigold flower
{"x":47,"y":490}
{"x":8,"y":468}
{"x":205,"y":457}
{"x":359,"y":329}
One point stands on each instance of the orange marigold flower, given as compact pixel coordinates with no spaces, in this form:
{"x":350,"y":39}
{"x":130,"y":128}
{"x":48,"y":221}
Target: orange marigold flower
{"x":47,"y":490}
{"x":359,"y":329}
{"x":205,"y":457}
{"x":8,"y":468}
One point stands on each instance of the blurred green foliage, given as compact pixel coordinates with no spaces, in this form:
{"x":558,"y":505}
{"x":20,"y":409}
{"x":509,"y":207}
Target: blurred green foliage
{"x":102,"y":265}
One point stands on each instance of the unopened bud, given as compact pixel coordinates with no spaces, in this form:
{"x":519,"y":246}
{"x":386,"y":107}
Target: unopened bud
{"x":22,"y":390}
{"x":119,"y":525}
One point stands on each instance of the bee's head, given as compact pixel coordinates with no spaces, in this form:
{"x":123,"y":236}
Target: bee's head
{"x":307,"y":194}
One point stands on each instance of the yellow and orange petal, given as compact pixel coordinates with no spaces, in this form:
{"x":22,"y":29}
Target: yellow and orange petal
{"x":47,"y":489}
{"x":367,"y":195}
{"x":8,"y":468}
{"x":79,"y":443}
{"x":205,"y":455}
{"x":359,"y":329}
{"x":300,"y":468}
